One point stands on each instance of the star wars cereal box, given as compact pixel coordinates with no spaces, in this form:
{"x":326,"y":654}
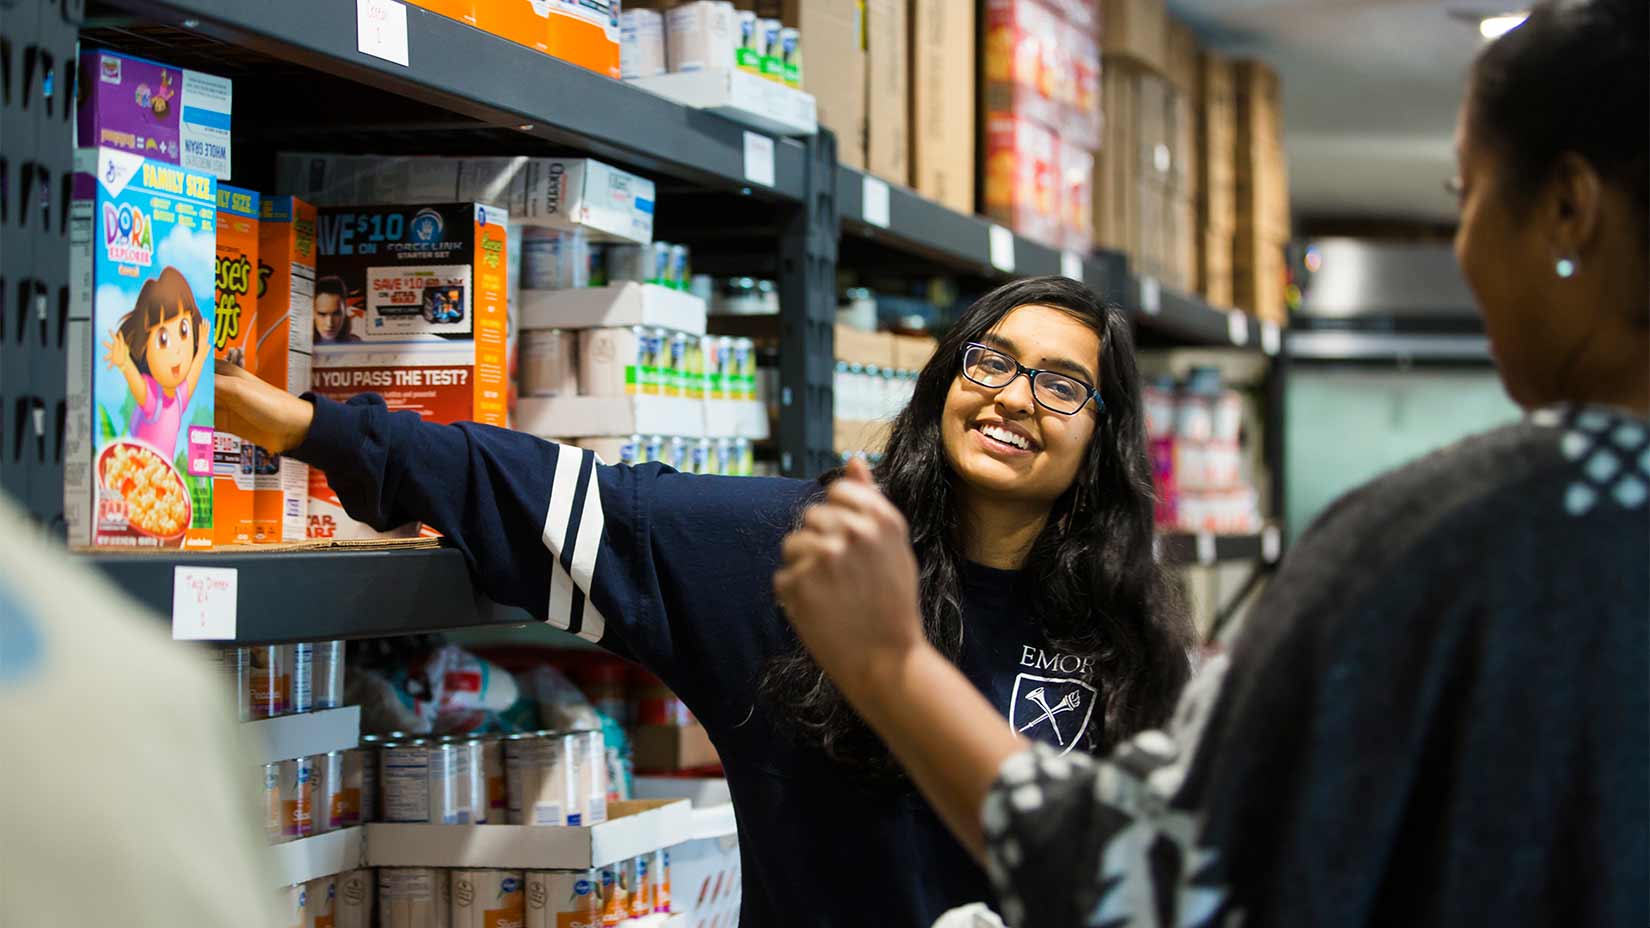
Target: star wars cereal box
{"x":234,"y":316}
{"x":172,"y":115}
{"x":286,"y":293}
{"x":138,"y":446}
{"x":409,"y":304}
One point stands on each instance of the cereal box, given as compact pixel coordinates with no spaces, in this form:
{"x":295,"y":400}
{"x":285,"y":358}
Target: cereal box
{"x":171,"y":115}
{"x":236,"y":289}
{"x":462,"y":10}
{"x":286,"y":303}
{"x":525,"y":22}
{"x":420,"y":319}
{"x":587,"y":34}
{"x":138,"y":445}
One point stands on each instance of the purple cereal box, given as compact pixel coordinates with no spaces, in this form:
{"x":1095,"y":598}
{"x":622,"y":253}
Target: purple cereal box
{"x":166,"y":114}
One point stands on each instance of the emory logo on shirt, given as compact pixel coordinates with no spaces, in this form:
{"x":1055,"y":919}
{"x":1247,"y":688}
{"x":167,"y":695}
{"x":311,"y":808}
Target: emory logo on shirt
{"x":1052,"y":709}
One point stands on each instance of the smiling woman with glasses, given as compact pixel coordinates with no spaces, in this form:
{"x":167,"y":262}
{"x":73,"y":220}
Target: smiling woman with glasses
{"x":991,"y":368}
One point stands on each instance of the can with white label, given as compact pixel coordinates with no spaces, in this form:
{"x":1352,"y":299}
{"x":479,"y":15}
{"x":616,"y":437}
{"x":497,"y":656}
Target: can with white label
{"x":661,"y":880}
{"x":301,"y":695}
{"x":563,"y":899}
{"x":273,"y":832}
{"x":748,"y":56}
{"x":589,"y":791}
{"x":297,"y":783}
{"x":289,"y":904}
{"x":641,"y":889}
{"x":538,"y":767}
{"x":420,"y":783}
{"x":267,"y":680}
{"x":488,"y":898}
{"x":330,"y":803}
{"x":372,"y":806}
{"x":790,"y":57}
{"x":472,"y":779}
{"x":413,"y":897}
{"x":615,"y":894}
{"x":328,"y":678}
{"x":235,"y":666}
{"x":680,"y":274}
{"x":320,"y":903}
{"x":354,"y":765}
{"x":353,"y":906}
{"x":492,"y":765}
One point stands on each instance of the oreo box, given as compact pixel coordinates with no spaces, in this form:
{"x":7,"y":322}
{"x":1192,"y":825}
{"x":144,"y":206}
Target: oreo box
{"x":138,"y":449}
{"x":409,"y":304}
{"x":171,"y":115}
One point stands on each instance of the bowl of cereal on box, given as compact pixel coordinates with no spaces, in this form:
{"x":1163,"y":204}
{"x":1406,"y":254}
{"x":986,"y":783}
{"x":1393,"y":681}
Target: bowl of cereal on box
{"x":157,"y":503}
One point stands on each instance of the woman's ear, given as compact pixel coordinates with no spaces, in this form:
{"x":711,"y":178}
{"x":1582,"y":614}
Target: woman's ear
{"x":1574,"y":201}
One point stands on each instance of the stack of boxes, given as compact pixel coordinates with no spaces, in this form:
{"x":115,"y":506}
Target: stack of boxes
{"x":1217,"y":213}
{"x":1260,"y":275}
{"x":876,"y":374}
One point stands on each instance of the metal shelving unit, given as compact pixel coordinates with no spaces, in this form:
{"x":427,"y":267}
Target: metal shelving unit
{"x":466,"y":91}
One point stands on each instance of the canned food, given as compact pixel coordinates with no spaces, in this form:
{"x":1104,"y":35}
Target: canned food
{"x":563,"y":899}
{"x":352,"y":907}
{"x":703,"y":457}
{"x":420,"y":783}
{"x":488,"y":898}
{"x":267,"y":680}
{"x":661,"y":881}
{"x":615,"y":896}
{"x":297,"y":796}
{"x":235,"y":666}
{"x":680,"y":274}
{"x":273,"y":832}
{"x":590,"y":777}
{"x":472,"y":781}
{"x":745,"y":454}
{"x":744,"y":369}
{"x":659,"y":342}
{"x":749,"y":55}
{"x":354,"y":766}
{"x":676,"y":454}
{"x":413,"y":897}
{"x":676,"y":368}
{"x":320,"y":900}
{"x":290,"y":902}
{"x":768,"y":40}
{"x":549,"y":362}
{"x":641,"y":890}
{"x":328,"y":679}
{"x":790,"y":56}
{"x":539,"y":767}
{"x":723,"y":376}
{"x":301,"y":695}
{"x":329,"y":791}
{"x":658,"y":271}
{"x":652,"y":449}
{"x":372,"y":805}
{"x":492,"y":764}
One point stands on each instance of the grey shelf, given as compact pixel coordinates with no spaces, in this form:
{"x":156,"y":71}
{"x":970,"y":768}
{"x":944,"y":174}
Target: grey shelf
{"x":1182,"y":548}
{"x":1188,"y":319}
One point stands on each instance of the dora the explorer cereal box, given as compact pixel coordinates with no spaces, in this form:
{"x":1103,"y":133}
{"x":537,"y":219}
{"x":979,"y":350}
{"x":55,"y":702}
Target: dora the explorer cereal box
{"x":138,"y":450}
{"x":409,"y":304}
{"x":234,"y":522}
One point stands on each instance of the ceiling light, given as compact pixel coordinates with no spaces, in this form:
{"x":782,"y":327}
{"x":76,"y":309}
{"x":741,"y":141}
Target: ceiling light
{"x":1494,"y":27}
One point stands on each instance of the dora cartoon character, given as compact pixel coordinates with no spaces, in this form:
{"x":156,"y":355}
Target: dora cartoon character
{"x":161,"y":346}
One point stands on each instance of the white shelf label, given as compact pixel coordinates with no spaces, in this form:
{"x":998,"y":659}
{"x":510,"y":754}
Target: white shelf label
{"x":1071,"y":265}
{"x":381,"y":30}
{"x":759,"y":158}
{"x":1271,"y":544}
{"x":874,"y":202}
{"x":1151,"y":296}
{"x":203,"y":603}
{"x":1002,"y":249}
{"x":1271,"y":337}
{"x":1237,"y":328}
{"x":1205,"y":548}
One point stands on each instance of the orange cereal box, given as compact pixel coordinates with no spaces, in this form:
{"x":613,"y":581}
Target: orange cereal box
{"x":524,"y":22}
{"x":236,"y":289}
{"x":286,"y":303}
{"x":462,"y":10}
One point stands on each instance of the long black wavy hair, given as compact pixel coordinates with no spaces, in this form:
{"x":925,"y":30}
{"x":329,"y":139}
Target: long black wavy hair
{"x":1096,"y":588}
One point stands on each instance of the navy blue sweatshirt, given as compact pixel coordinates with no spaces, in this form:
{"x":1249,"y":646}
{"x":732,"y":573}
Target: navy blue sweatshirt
{"x":676,"y":571}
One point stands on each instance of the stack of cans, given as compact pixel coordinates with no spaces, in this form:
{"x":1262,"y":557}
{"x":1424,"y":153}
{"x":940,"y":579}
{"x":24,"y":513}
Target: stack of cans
{"x":284,"y":679}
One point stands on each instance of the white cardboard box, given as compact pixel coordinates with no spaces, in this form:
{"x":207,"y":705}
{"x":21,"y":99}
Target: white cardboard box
{"x":306,"y":734}
{"x":636,"y":827}
{"x":612,"y":307}
{"x":742,"y":97}
{"x":611,"y":416}
{"x":736,"y":419}
{"x":323,"y":855}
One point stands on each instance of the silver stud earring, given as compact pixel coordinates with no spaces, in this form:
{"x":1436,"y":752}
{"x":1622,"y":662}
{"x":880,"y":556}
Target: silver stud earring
{"x":1566,"y":268}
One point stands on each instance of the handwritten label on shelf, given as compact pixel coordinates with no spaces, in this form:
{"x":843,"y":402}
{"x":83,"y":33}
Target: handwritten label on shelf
{"x":1237,"y":328}
{"x":874,"y":206}
{"x":1071,"y":265}
{"x":381,"y":30}
{"x":759,"y":158}
{"x":203,"y":603}
{"x":1205,"y":548}
{"x":1271,"y":544}
{"x":1151,"y":296}
{"x":1002,"y":249}
{"x":1271,"y":337}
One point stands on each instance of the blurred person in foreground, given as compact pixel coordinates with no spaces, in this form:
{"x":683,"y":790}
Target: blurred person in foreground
{"x":123,"y":800}
{"x":1439,"y":712}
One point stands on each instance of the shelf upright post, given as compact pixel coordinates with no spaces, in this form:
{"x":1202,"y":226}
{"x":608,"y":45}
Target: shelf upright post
{"x":36,"y":173}
{"x":808,"y":236}
{"x":1277,"y":441}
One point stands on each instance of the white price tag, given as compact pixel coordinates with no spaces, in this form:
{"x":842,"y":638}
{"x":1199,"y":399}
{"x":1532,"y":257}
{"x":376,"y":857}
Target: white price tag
{"x":1271,"y":337}
{"x":203,"y":603}
{"x":1271,"y":544}
{"x":1002,"y":249}
{"x":1205,"y":548}
{"x":381,"y":30}
{"x":874,"y":202}
{"x":1151,"y":296}
{"x":1071,"y":265}
{"x":1237,"y":328}
{"x":759,"y":158}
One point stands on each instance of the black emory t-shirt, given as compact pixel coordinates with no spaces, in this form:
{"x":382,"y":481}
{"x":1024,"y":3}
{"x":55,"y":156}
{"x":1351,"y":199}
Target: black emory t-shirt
{"x":676,"y":571}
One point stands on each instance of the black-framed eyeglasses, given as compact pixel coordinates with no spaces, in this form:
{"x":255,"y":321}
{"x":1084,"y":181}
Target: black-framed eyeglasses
{"x":1059,"y":393}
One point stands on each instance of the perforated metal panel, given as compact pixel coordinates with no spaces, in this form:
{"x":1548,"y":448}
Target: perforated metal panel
{"x":37,"y":66}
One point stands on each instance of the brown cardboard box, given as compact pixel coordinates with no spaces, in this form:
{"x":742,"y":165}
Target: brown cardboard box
{"x":1116,"y":169}
{"x":1181,"y":242}
{"x":859,"y":347}
{"x":834,"y":66}
{"x":1216,"y":161}
{"x":667,"y":747}
{"x":1259,"y":278}
{"x":1214,"y":267}
{"x":1136,"y":30}
{"x":912,"y":352}
{"x":852,"y":436}
{"x":888,"y":87}
{"x":1181,"y":58}
{"x":942,"y":102}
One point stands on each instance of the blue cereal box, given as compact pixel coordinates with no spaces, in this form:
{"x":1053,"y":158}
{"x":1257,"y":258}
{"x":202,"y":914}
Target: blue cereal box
{"x":137,"y":456}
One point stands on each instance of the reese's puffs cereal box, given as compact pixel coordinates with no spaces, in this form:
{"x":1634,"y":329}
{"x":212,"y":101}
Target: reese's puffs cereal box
{"x":236,"y":298}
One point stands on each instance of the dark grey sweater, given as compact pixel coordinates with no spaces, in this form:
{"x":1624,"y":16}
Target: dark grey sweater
{"x":1437,"y":715}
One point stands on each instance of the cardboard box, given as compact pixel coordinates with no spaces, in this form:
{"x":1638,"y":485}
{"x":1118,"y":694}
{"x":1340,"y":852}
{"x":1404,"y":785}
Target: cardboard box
{"x":586,"y":34}
{"x":1022,"y":178}
{"x":524,"y":22}
{"x":913,"y":352}
{"x":286,"y":346}
{"x":854,"y":346}
{"x":1216,"y":161}
{"x":171,"y":115}
{"x":235,"y":342}
{"x":462,"y":10}
{"x":613,"y":306}
{"x":138,"y":450}
{"x":742,"y":97}
{"x":1076,"y":199}
{"x":942,"y":102}
{"x":669,"y":747}
{"x":1180,"y":57}
{"x":633,"y":828}
{"x":888,"y":80}
{"x":642,"y":44}
{"x":1260,"y":278}
{"x":851,"y":436}
{"x":1136,"y":30}
{"x":1117,"y":167}
{"x":834,"y":39}
{"x":701,"y":35}
{"x":424,"y":323}
{"x":611,"y":416}
{"x":1214,"y":267}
